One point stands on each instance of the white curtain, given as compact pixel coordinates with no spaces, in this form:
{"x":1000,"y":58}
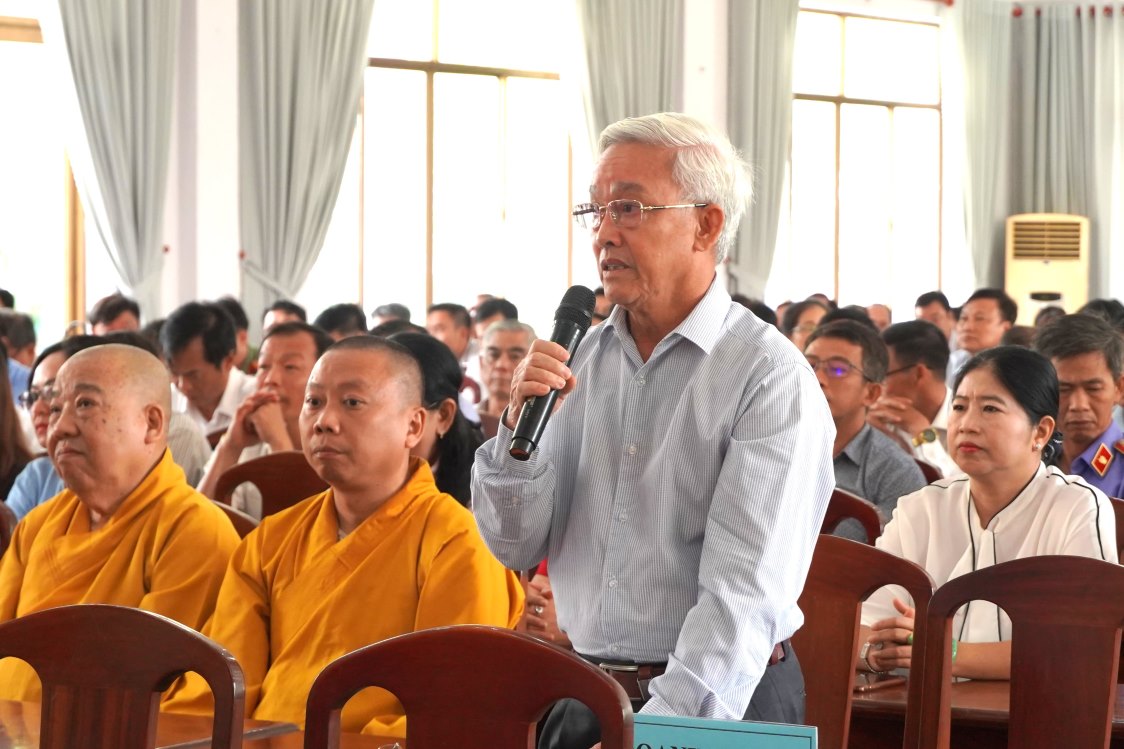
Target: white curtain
{"x":982,"y":30}
{"x":762,"y":34}
{"x":300,"y":77}
{"x":117,"y":61}
{"x":1068,"y":100}
{"x":633,"y":59}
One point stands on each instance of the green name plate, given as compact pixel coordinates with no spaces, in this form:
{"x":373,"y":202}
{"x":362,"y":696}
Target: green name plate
{"x":663,"y":732}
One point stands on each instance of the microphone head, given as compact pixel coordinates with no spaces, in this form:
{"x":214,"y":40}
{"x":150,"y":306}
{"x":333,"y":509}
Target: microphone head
{"x":577,"y":306}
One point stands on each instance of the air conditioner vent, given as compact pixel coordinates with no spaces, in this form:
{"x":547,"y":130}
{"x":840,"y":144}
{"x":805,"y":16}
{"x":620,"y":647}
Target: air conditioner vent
{"x":1047,"y":240}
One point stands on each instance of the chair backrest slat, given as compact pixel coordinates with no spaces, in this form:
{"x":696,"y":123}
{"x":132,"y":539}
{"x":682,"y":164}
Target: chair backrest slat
{"x":844,"y":505}
{"x":283,"y":478}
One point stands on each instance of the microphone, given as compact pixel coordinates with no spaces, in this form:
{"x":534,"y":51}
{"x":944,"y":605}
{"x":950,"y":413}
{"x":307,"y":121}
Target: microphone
{"x":571,"y":320}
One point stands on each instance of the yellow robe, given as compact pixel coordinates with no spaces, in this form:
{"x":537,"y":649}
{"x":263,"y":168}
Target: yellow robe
{"x":164,"y":550}
{"x":296,"y":597}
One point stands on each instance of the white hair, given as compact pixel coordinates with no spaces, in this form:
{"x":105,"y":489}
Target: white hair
{"x":507,"y":326}
{"x":707,"y":168}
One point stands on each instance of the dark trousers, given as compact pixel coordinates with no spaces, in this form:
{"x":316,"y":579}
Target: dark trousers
{"x":779,"y":698}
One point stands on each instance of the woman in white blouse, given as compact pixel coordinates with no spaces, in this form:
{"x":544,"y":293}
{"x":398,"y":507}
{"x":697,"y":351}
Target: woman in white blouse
{"x":1008,"y":506}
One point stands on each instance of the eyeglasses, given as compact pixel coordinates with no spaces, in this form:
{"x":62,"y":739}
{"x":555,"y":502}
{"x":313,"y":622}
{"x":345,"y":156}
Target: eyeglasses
{"x":626,"y":214}
{"x":835,"y":367}
{"x":900,"y":369}
{"x":28,"y":399}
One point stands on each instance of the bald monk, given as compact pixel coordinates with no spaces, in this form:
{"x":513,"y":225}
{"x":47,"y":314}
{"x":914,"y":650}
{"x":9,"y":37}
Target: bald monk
{"x":128,"y":529}
{"x":379,"y":554}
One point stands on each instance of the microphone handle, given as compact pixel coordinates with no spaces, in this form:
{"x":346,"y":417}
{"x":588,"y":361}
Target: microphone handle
{"x":537,"y":409}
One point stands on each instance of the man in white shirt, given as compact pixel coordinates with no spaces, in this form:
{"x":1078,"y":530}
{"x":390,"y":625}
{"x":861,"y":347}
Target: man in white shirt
{"x":984,"y":318}
{"x":269,"y":420}
{"x":915,"y":400}
{"x":199,"y":344}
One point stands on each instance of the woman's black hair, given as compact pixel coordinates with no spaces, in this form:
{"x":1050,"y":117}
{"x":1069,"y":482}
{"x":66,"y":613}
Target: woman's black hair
{"x":442,"y":378}
{"x":1031,"y":380}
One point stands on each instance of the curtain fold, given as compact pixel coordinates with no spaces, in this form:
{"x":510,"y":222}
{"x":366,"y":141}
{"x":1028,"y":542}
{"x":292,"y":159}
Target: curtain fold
{"x":1067,"y":132}
{"x":300,"y":78}
{"x":762,"y":35}
{"x":982,"y":30}
{"x":117,"y":61}
{"x":633,"y":59}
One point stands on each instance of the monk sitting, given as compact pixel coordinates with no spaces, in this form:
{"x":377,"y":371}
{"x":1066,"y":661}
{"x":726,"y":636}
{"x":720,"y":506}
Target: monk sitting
{"x":128,"y":529}
{"x":379,"y":554}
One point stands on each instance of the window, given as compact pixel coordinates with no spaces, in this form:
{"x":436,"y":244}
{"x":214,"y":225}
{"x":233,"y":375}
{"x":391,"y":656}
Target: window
{"x":458,"y":182}
{"x":863,"y":217}
{"x":39,"y":209}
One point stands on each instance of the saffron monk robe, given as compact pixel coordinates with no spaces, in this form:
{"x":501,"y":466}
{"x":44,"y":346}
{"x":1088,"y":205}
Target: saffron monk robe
{"x":381,"y":553}
{"x":128,"y":529}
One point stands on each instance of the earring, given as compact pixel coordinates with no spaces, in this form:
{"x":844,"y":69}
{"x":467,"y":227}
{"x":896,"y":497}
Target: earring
{"x":1037,"y":447}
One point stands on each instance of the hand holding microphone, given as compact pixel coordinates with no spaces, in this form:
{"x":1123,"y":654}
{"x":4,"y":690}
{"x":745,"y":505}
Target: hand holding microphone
{"x":543,"y":378}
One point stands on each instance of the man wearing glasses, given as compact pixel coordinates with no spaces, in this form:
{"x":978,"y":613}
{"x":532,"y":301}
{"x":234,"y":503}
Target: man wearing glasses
{"x":850,"y":361}
{"x":679,"y":489}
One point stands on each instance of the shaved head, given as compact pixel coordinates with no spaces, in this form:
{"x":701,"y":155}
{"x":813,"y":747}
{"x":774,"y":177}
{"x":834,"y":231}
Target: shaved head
{"x":130,"y":370}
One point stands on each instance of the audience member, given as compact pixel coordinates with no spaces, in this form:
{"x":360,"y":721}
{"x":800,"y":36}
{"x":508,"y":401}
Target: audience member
{"x":14,"y":453}
{"x":492,"y":311}
{"x":199,"y":345}
{"x":1088,"y":356}
{"x":933,"y":307}
{"x":1010,"y":506}
{"x":763,"y":311}
{"x":1047,"y":315}
{"x":451,"y":324}
{"x":984,"y":318}
{"x":342,"y":321}
{"x":18,"y":373}
{"x":781,"y":309}
{"x":449,"y":440}
{"x":17,"y":334}
{"x":390,"y":327}
{"x":1018,"y":335}
{"x":268,"y":420}
{"x":503,"y":346}
{"x":281,"y":311}
{"x":602,"y":307}
{"x":800,"y":319}
{"x":1109,"y":310}
{"x":128,"y":530}
{"x":851,"y":312}
{"x":880,"y":315}
{"x":114,"y":312}
{"x":245,"y":355}
{"x":39,"y":481}
{"x":913,"y":408}
{"x":385,"y":313}
{"x":151,"y":333}
{"x":823,"y":299}
{"x":850,"y":361}
{"x":300,"y":589}
{"x":7,"y":301}
{"x":663,"y":510}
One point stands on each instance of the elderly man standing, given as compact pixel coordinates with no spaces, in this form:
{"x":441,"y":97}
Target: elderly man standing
{"x":379,"y":554}
{"x":128,"y":529}
{"x":680,"y":487}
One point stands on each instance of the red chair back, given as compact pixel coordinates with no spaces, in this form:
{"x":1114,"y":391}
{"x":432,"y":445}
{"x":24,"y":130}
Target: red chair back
{"x":843,"y":506}
{"x":103,"y":670}
{"x":469,"y":686}
{"x":928,"y":470}
{"x":283,"y":478}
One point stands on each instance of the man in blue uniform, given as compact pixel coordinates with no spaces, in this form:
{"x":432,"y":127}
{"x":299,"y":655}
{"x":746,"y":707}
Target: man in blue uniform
{"x":1088,"y":355}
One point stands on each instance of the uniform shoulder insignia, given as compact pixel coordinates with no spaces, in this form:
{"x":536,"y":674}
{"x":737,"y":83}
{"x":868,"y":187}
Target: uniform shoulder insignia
{"x":1102,"y":460}
{"x":1119,"y":446}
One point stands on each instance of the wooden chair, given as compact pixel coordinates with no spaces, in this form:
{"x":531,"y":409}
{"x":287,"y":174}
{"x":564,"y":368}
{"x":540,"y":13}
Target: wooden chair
{"x":283,"y":479}
{"x":103,"y":670}
{"x":7,"y":526}
{"x":1118,"y":510}
{"x":843,"y":506}
{"x":843,"y":574}
{"x":242,"y":522}
{"x":1066,"y":614}
{"x":472,"y":687}
{"x":928,"y":470}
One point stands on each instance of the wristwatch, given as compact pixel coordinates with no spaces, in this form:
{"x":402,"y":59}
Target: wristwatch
{"x":925,"y":436}
{"x":866,"y":661}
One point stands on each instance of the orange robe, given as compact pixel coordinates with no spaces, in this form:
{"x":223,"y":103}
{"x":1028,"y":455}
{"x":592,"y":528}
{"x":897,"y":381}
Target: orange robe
{"x":165,"y":550}
{"x":296,"y":597}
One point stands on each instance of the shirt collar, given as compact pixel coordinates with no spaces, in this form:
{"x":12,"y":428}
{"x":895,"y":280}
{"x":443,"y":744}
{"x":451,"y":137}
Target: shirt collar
{"x":703,"y":325}
{"x":1108,"y":438}
{"x":854,"y":448}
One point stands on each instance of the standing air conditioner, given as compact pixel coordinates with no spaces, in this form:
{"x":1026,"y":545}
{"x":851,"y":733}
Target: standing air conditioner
{"x":1047,"y":262}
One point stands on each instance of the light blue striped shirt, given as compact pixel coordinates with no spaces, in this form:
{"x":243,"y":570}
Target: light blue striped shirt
{"x":678,"y":501}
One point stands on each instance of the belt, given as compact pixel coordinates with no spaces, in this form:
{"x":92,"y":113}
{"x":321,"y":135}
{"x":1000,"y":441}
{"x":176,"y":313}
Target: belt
{"x":634,"y":677}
